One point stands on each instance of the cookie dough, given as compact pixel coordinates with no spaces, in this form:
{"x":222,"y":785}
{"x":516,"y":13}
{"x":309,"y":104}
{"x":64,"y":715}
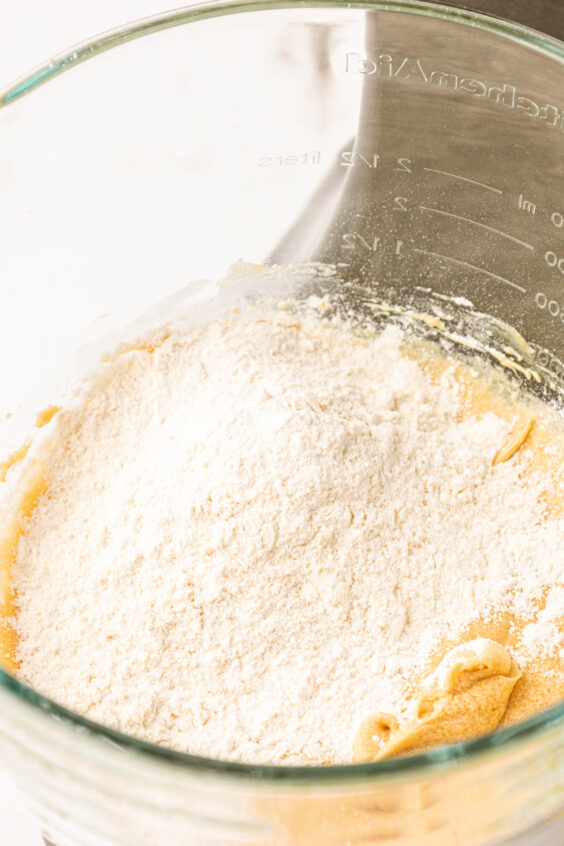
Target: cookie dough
{"x":466,"y":696}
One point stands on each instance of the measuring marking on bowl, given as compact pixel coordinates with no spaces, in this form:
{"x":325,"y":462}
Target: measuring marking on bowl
{"x":396,"y":243}
{"x":477,"y":223}
{"x":471,"y":267}
{"x":464,"y":179}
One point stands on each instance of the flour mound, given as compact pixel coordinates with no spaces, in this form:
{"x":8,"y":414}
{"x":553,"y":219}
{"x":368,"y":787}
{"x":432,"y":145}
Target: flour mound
{"x":254,"y":534}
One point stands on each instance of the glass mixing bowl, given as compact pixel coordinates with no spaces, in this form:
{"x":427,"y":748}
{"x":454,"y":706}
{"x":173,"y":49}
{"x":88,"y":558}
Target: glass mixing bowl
{"x":413,"y":149}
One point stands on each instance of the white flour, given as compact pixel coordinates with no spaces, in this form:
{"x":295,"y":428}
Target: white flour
{"x":253,"y":535}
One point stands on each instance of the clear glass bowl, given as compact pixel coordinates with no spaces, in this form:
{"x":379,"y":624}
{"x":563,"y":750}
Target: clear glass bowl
{"x":417,"y":148}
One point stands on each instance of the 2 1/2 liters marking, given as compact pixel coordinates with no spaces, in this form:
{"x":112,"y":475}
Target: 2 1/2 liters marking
{"x":352,"y":157}
{"x":404,"y":164}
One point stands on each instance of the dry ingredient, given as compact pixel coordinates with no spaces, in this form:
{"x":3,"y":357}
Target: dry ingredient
{"x":255,"y":532}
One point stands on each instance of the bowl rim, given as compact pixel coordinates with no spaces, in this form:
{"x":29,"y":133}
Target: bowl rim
{"x":422,"y":764}
{"x":85,"y":50}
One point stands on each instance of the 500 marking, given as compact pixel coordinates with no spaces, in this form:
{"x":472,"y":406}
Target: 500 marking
{"x":554,"y":308}
{"x":554,"y":261}
{"x":546,"y":359}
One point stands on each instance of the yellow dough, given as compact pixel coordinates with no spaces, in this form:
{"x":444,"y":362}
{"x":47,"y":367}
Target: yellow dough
{"x":467,"y":695}
{"x":32,"y":484}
